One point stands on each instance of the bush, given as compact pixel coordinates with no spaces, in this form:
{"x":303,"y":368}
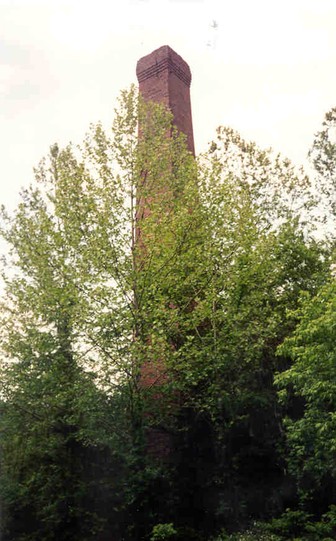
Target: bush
{"x":166,"y":531}
{"x":248,"y":535}
{"x":185,"y":533}
{"x":161,"y":532}
{"x":290,"y":525}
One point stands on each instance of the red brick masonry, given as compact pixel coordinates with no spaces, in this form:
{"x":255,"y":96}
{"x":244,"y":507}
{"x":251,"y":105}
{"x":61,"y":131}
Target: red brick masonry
{"x":164,"y":77}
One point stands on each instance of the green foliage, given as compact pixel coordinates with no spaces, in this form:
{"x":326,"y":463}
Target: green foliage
{"x":290,"y":525}
{"x":311,"y":436}
{"x":146,"y":291}
{"x":307,"y":387}
{"x":78,"y":321}
{"x":323,"y":158}
{"x":295,"y":525}
{"x":250,"y":535}
{"x":162,"y":532}
{"x":301,"y":526}
{"x":252,"y":272}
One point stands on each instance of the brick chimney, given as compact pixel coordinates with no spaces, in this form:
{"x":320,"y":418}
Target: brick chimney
{"x":164,"y":77}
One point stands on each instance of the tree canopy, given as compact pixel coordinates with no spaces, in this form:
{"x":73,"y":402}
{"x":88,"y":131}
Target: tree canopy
{"x":151,"y":296}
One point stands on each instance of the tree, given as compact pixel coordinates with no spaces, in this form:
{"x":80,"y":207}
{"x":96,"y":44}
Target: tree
{"x":146,"y":290}
{"x":323,"y":157}
{"x":256,"y":260}
{"x":309,"y":381}
{"x":51,"y":404}
{"x":307,"y":387}
{"x":79,"y":322}
{"x":311,"y":378}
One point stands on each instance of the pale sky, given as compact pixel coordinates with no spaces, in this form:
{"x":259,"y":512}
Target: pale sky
{"x":266,"y":68}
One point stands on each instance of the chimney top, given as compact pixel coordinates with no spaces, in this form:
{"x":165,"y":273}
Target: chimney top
{"x":161,"y":59}
{"x":164,"y":77}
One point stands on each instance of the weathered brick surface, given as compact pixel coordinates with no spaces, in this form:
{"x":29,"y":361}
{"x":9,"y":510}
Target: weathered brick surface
{"x":164,"y":77}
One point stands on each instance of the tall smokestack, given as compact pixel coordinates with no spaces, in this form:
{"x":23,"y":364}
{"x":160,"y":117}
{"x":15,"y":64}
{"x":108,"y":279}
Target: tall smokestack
{"x":164,"y":77}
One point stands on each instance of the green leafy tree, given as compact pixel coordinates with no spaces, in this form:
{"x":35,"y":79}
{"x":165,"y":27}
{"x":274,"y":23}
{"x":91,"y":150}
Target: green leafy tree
{"x":323,"y":157}
{"x":145,"y":291}
{"x":50,"y":403}
{"x":307,"y":386}
{"x":311,"y":435}
{"x":249,"y":262}
{"x":79,"y":321}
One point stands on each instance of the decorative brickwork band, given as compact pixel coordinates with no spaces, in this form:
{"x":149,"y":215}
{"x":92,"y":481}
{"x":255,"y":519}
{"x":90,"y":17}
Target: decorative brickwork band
{"x":165,"y":64}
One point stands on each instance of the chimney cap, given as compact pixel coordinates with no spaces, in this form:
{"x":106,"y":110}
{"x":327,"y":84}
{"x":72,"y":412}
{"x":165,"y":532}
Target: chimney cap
{"x":163,"y":58}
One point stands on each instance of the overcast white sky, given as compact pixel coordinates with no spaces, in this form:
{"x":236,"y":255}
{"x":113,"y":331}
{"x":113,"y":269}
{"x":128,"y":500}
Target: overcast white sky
{"x":268,"y":69}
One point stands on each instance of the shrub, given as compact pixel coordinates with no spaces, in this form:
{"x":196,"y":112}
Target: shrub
{"x":162,"y":532}
{"x":248,"y":535}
